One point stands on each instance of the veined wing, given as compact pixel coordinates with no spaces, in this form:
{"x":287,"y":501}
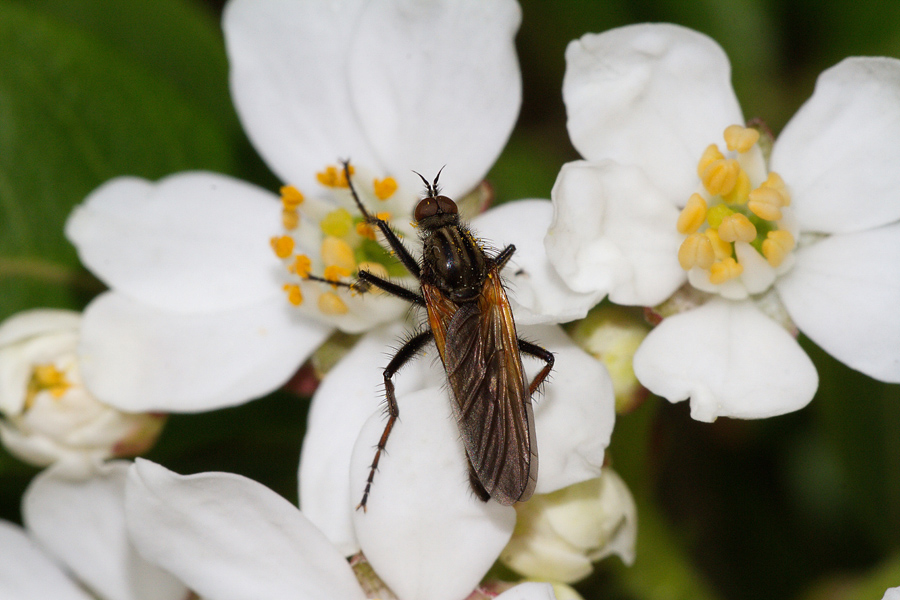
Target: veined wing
{"x":491,"y":399}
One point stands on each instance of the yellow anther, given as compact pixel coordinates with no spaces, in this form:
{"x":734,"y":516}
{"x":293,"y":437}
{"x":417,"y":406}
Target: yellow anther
{"x":336,"y":252}
{"x":331,"y":304}
{"x":295,"y":296}
{"x":385,"y":188}
{"x":335,"y":273}
{"x":302,"y":265}
{"x":741,"y":190}
{"x":333,"y":177}
{"x":777,"y":246}
{"x":766,"y":203}
{"x":290,"y":218}
{"x":365,"y":230}
{"x":737,"y":228}
{"x":50,"y":379}
{"x":692,"y":215}
{"x":291,"y":197}
{"x":775,"y":181}
{"x":384,"y":216}
{"x":283,"y":246}
{"x":724,"y":270}
{"x":740,"y":138}
{"x":696,"y":251}
{"x":337,"y":223}
{"x":710,"y":155}
{"x":721,"y":248}
{"x":720,"y":176}
{"x":715,"y":215}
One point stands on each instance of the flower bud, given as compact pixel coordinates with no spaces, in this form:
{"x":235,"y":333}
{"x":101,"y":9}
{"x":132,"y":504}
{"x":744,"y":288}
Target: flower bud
{"x":48,"y":416}
{"x":612,"y":334}
{"x":559,"y":535}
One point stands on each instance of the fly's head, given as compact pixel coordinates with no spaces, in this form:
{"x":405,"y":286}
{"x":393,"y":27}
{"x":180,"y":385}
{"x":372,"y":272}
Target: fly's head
{"x":435,"y":211}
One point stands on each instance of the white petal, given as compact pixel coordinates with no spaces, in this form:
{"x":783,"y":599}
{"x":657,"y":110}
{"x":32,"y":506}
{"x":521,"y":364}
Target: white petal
{"x":348,"y":395}
{"x":839,"y":153}
{"x":892,"y":594}
{"x":230,"y":538}
{"x":191,"y":241}
{"x":537,"y":292}
{"x":26,"y":573}
{"x":82,"y":523}
{"x":758,"y":274}
{"x":574,"y":417}
{"x":437,"y":84}
{"x":730,"y":360}
{"x":32,"y":323}
{"x":614,"y":232}
{"x":137,"y":358}
{"x":843,"y":293}
{"x":288,"y":70}
{"x":425,"y":532}
{"x":651,"y":95}
{"x":530,"y":590}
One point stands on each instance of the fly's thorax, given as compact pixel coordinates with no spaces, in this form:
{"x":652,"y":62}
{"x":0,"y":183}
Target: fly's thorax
{"x":454,"y":262}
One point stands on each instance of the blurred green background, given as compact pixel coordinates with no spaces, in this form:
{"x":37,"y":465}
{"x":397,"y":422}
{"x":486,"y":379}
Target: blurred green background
{"x":802,"y":506}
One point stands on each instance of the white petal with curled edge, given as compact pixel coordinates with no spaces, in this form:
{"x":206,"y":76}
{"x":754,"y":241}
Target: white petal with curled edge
{"x":536,"y":291}
{"x":614,"y":232}
{"x":138,"y":359}
{"x":40,"y":321}
{"x":730,"y":360}
{"x":843,"y":293}
{"x":348,"y":395}
{"x":530,"y":590}
{"x":424,"y":531}
{"x":191,"y":241}
{"x":230,"y":538}
{"x":26,"y":573}
{"x":288,"y":68}
{"x":650,"y":95}
{"x":437,"y":83}
{"x":839,"y":153}
{"x":574,"y":417}
{"x":82,"y":523}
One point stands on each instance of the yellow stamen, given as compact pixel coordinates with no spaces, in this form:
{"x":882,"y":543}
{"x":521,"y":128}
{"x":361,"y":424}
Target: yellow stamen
{"x":741,"y":190}
{"x":736,"y":228}
{"x":290,"y":218}
{"x":721,"y":249}
{"x":384,"y":216}
{"x":776,"y":246}
{"x":291,"y":197}
{"x":365,"y":230}
{"x":720,"y":176}
{"x":337,"y":223}
{"x":775,"y":181}
{"x":766,"y":203}
{"x":295,"y":296}
{"x":50,"y":379}
{"x":710,"y":155}
{"x":336,"y":252}
{"x":335,"y":273}
{"x":331,"y":304}
{"x":385,"y":188}
{"x":283,"y":246}
{"x":302,"y":265}
{"x":696,"y":251}
{"x":692,"y":215}
{"x":716,"y":214}
{"x":724,"y":270}
{"x":740,"y":138}
{"x":333,"y":177}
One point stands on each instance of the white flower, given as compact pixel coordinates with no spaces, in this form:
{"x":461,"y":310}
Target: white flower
{"x":46,"y":414}
{"x":230,"y":538}
{"x":892,"y":594}
{"x":75,"y":540}
{"x":653,"y":207}
{"x":196,"y":291}
{"x":559,"y":535}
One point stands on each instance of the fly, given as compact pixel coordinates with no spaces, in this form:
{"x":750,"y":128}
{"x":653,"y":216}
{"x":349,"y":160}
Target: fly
{"x":471,"y":323}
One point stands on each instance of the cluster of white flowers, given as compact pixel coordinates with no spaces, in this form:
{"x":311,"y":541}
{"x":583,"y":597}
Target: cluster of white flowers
{"x":676,"y":208}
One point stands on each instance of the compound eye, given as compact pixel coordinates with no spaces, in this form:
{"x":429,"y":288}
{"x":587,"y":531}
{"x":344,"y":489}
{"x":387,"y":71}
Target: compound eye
{"x":427,"y":207}
{"x":446,"y":205}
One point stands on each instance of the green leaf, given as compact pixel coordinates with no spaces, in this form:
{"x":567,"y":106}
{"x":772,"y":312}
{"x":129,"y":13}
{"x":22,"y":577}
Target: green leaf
{"x":75,"y":112}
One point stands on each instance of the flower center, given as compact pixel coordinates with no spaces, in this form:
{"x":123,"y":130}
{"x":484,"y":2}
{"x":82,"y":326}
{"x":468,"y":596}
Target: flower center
{"x":46,"y":378}
{"x":736,"y":227}
{"x":325,"y":242}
